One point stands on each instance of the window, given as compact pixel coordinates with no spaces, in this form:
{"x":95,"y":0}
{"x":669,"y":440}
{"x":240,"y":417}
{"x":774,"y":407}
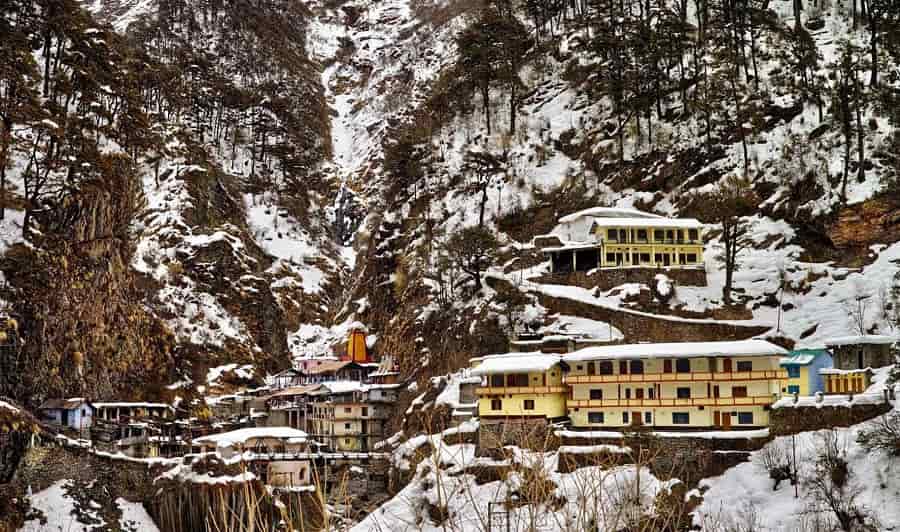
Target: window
{"x":623,"y":367}
{"x":627,"y":393}
{"x":667,"y":366}
{"x":605,"y":367}
{"x":692,"y":258}
{"x":348,"y":409}
{"x":681,"y":418}
{"x":745,"y":365}
{"x":496,"y":404}
{"x":659,"y":235}
{"x":642,"y":235}
{"x":590,"y":368}
{"x":739,"y":391}
{"x":528,"y":404}
{"x":650,"y":393}
{"x":595,"y":417}
{"x":497,"y":381}
{"x":579,"y":367}
{"x":637,"y":366}
{"x":625,"y":417}
{"x":610,"y":257}
{"x":745,"y":418}
{"x":793,"y":371}
{"x":683,"y":365}
{"x":519,"y":380}
{"x":645,"y":258}
{"x":648,"y":418}
{"x":793,"y":388}
{"x":347,"y":426}
{"x":684,"y":393}
{"x":596,"y":395}
{"x":365,"y":411}
{"x":612,"y":234}
{"x":693,"y":235}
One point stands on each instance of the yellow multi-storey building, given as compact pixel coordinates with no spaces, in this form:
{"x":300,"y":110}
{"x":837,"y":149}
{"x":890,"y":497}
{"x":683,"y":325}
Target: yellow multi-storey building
{"x":618,"y":242}
{"x":689,"y":385}
{"x":521,"y":385}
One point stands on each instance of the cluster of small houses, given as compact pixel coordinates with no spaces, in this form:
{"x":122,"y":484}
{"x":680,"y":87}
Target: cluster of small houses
{"x":326,"y":409}
{"x":341,"y":408}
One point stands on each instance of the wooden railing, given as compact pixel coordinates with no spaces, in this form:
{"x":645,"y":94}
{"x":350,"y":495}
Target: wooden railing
{"x":510,"y":390}
{"x":759,"y":400}
{"x":705,"y":376}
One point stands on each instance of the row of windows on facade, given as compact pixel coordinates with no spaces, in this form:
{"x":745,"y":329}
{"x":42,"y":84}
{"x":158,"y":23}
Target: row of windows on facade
{"x":605,"y":367}
{"x":659,"y":235}
{"x":644,"y":258}
{"x":678,"y":418}
{"x":680,"y":393}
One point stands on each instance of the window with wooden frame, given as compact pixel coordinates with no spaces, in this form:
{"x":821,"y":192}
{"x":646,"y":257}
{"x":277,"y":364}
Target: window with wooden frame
{"x":496,"y":404}
{"x":745,"y":365}
{"x":739,"y":391}
{"x":528,"y":404}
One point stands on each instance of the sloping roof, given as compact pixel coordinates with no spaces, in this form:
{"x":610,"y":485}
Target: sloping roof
{"x":681,"y":223}
{"x":64,"y":404}
{"x":607,"y":212}
{"x":516,"y":362}
{"x":331,"y":367}
{"x":802,"y":357}
{"x":293,"y":390}
{"x":744,"y":348}
{"x":860,"y":340}
{"x":241,"y":436}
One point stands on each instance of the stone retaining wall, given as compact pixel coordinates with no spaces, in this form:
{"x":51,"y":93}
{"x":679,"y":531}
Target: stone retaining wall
{"x":529,"y":433}
{"x":647,"y":328}
{"x":609,"y":278}
{"x":687,"y":458}
{"x":791,"y":420}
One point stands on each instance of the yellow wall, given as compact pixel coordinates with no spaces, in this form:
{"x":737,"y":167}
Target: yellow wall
{"x":846,"y":383}
{"x":662,"y":417}
{"x":802,"y":381}
{"x":549,"y":397}
{"x":632,"y":247}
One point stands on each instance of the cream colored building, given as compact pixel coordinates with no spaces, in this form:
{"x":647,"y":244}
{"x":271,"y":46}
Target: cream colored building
{"x":279,"y":455}
{"x":690,"y":385}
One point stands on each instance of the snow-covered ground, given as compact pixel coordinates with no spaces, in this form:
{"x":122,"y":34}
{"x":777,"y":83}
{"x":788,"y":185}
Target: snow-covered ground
{"x":63,"y":512}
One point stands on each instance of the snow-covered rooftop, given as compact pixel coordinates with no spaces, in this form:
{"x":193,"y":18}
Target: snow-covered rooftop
{"x":516,"y":362}
{"x":680,"y":223}
{"x":607,"y":212}
{"x":241,"y":436}
{"x":862,"y":339}
{"x":342,"y":387}
{"x":133,"y":405}
{"x":743,"y":348}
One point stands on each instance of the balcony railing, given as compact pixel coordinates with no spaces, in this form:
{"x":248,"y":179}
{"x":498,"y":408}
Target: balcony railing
{"x":511,"y":390}
{"x":677,"y":377}
{"x":758,"y":400}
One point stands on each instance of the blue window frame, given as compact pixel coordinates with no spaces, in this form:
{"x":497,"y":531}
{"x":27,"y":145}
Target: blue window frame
{"x":681,"y":418}
{"x":793,"y":371}
{"x":648,"y":418}
{"x":793,"y":388}
{"x":595,"y":417}
{"x":745,"y":418}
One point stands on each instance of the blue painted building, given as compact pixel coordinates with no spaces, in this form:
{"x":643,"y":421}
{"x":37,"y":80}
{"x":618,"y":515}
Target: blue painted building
{"x":803,"y":367}
{"x":76,"y":413}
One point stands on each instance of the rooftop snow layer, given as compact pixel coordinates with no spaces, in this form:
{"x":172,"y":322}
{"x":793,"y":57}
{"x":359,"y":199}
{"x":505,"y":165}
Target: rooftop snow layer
{"x":683,"y":223}
{"x":742,"y":348}
{"x":516,"y":362}
{"x":864,"y":339}
{"x":607,"y":212}
{"x":241,"y":436}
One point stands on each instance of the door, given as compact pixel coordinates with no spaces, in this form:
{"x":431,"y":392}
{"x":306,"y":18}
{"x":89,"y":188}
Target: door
{"x":717,"y":419}
{"x":639,"y":393}
{"x":726,"y":420}
{"x":636,"y":418}
{"x":716,"y":392}
{"x":65,"y":418}
{"x":726,"y":365}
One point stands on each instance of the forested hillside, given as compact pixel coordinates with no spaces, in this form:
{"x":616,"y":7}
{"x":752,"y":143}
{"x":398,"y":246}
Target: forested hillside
{"x":225,"y":185}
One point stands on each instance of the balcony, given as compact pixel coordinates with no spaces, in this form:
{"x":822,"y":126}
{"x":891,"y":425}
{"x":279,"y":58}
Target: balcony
{"x":704,"y":376}
{"x":534,"y":390}
{"x":759,"y":400}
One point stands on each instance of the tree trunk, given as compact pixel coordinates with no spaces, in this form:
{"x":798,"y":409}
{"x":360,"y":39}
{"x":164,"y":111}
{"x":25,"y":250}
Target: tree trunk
{"x":512,"y":110}
{"x":484,"y":198}
{"x":873,"y":47}
{"x":485,"y":98}
{"x":860,"y":135}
